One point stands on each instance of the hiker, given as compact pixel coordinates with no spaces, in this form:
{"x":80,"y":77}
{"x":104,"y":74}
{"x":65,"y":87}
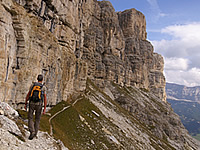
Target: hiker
{"x":36,"y":96}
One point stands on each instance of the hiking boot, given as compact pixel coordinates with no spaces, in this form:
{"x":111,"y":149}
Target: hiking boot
{"x":36,"y":136}
{"x":31,"y":136}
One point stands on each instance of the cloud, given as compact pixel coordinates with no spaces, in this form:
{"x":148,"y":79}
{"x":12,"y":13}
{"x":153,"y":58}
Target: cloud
{"x":184,"y":43}
{"x":176,"y":64}
{"x":163,"y":15}
{"x":189,"y":77}
{"x":155,"y":10}
{"x":181,"y":53}
{"x":184,"y":32}
{"x":154,"y":4}
{"x":172,"y":48}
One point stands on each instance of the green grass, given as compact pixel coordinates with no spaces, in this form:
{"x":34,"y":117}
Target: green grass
{"x":44,"y":123}
{"x":77,"y":134}
{"x":23,"y":114}
{"x":58,"y":107}
{"x":66,"y":127}
{"x":197,"y":137}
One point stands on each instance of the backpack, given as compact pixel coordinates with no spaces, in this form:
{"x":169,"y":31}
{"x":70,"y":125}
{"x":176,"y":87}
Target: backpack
{"x":37,"y":94}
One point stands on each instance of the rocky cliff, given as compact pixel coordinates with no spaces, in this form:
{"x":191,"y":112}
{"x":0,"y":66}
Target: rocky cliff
{"x":69,"y":41}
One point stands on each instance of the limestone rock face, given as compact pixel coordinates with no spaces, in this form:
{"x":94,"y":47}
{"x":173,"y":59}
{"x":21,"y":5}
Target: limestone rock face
{"x":133,"y":24}
{"x":145,"y":66}
{"x":70,"y":41}
{"x":29,"y":49}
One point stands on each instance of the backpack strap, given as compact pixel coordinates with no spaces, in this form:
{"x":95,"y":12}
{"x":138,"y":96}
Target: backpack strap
{"x":32,"y":90}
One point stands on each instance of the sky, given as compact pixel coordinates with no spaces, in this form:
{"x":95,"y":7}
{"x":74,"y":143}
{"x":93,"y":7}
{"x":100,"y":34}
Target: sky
{"x":173,"y":28}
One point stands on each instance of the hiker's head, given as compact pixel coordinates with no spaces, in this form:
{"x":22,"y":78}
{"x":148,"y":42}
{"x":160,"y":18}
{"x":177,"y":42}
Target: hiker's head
{"x":40,"y":77}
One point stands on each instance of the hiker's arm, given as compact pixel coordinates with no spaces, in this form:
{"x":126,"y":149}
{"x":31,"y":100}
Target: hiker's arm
{"x":27,"y":97}
{"x":45,"y":103}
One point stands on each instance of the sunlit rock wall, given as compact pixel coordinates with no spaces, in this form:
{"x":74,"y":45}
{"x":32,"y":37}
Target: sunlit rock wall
{"x":72,"y":40}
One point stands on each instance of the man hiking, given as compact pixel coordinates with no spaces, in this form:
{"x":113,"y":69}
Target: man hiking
{"x":36,"y":96}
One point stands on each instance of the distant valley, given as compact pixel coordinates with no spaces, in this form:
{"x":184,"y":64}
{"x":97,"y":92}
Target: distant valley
{"x":186,"y":103}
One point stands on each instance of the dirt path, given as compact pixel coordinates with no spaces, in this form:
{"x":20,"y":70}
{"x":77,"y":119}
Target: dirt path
{"x":51,"y":128}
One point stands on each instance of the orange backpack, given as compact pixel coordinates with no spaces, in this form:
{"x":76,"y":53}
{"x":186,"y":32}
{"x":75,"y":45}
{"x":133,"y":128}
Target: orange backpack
{"x":36,"y":93}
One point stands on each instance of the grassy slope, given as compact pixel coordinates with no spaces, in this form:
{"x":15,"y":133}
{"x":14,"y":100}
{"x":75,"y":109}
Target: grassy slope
{"x":88,"y":133}
{"x":79,"y":128}
{"x":74,"y":133}
{"x":78,"y":134}
{"x":197,"y":136}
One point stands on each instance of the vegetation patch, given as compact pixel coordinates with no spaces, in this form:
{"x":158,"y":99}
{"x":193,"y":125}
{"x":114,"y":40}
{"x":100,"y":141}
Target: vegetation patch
{"x":144,"y":90}
{"x":58,"y":107}
{"x":79,"y":127}
{"x":197,"y":136}
{"x":23,"y":114}
{"x":44,"y":123}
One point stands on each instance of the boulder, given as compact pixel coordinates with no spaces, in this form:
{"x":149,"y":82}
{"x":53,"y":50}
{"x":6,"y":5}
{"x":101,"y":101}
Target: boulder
{"x":7,"y":110}
{"x":1,"y":112}
{"x":9,"y":125}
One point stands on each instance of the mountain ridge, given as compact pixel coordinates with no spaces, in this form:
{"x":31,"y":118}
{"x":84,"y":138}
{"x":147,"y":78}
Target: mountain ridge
{"x":185,"y":102}
{"x":183,"y":92}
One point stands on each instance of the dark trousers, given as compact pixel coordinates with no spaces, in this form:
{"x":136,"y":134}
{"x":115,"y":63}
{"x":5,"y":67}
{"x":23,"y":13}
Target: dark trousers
{"x":34,"y":126}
